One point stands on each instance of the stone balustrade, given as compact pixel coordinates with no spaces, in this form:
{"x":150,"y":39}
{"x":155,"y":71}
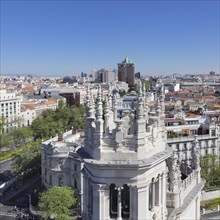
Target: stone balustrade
{"x":188,"y":183}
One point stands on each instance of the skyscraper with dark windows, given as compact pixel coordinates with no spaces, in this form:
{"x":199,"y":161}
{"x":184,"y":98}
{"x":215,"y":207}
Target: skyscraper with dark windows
{"x":126,"y":72}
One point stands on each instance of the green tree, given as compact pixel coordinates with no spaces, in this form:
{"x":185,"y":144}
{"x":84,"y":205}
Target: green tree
{"x":20,"y":135}
{"x":5,"y":141}
{"x":28,"y":160}
{"x":61,"y":104}
{"x":54,"y":122}
{"x":210,"y":171}
{"x":57,"y":202}
{"x":2,"y":123}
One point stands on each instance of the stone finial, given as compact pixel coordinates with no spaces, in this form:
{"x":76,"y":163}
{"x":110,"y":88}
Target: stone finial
{"x":140,"y":88}
{"x":158,"y":107}
{"x":106,"y":115}
{"x":99,"y":104}
{"x":143,"y":88}
{"x":91,"y":110}
{"x":140,"y":108}
{"x":162,"y":98}
{"x":115,"y":107}
{"x":162,"y":88}
{"x":87,"y":98}
{"x":110,"y":96}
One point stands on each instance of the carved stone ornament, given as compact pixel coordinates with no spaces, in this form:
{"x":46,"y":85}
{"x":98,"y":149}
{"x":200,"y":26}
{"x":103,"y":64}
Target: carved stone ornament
{"x":119,"y":137}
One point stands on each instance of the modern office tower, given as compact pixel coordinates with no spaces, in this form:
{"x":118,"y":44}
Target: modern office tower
{"x":104,"y":76}
{"x":137,"y":75}
{"x":126,"y":72}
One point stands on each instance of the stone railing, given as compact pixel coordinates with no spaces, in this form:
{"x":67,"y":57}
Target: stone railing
{"x":190,"y":138}
{"x":188,"y":183}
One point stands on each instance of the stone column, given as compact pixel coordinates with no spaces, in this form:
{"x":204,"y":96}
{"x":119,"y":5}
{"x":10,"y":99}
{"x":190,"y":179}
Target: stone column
{"x":119,"y":204}
{"x":99,"y":205}
{"x":160,"y":190}
{"x":153,"y":194}
{"x":107,"y":201}
{"x":142,"y":201}
{"x":164,"y":194}
{"x":133,"y":202}
{"x":197,"y":201}
{"x":157,"y":192}
{"x":147,"y":198}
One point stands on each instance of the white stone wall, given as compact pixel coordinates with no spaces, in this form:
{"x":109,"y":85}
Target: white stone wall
{"x":10,"y":108}
{"x":210,"y":195}
{"x":27,"y":117}
{"x":190,"y":212}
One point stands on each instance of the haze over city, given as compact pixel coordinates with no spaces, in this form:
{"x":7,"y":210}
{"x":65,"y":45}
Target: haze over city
{"x":70,"y":37}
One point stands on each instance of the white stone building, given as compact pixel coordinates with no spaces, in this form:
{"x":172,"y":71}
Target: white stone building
{"x":207,"y":135}
{"x":10,"y":108}
{"x":125,"y":169}
{"x":28,"y":115}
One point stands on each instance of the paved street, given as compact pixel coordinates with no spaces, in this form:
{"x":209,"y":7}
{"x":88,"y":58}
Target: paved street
{"x":15,"y":202}
{"x":5,"y":165}
{"x":215,"y":215}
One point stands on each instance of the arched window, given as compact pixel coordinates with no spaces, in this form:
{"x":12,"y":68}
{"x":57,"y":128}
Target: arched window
{"x":125,"y":198}
{"x":113,"y":201}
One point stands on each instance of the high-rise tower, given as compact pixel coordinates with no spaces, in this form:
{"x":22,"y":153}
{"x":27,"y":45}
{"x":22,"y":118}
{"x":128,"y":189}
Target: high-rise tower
{"x":126,"y":72}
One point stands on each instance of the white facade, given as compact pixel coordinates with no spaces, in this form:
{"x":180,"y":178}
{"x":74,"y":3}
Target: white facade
{"x":10,"y":108}
{"x":208,"y":143}
{"x":125,"y":164}
{"x":27,"y":116}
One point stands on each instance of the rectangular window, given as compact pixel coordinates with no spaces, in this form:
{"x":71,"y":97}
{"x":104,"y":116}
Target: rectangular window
{"x":177,"y":147}
{"x":213,"y":133}
{"x":75,"y":167}
{"x":75,"y":184}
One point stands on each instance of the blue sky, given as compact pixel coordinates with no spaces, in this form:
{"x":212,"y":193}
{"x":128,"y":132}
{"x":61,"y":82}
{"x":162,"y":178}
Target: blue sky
{"x":68,"y":37}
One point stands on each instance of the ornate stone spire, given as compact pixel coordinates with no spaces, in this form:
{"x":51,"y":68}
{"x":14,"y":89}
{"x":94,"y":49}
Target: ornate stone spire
{"x":110,"y":97}
{"x":99,"y":104}
{"x":140,"y":105}
{"x":140,"y":108}
{"x":91,"y":109}
{"x":140,"y":88}
{"x":143,"y":88}
{"x":87,"y":100}
{"x":115,"y":108}
{"x":162,"y":98}
{"x":106,"y":115}
{"x":158,"y":112}
{"x":143,"y":92}
{"x":158,"y":107}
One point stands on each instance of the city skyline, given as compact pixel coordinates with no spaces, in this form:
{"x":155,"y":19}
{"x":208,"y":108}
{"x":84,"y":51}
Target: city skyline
{"x":70,"y":37}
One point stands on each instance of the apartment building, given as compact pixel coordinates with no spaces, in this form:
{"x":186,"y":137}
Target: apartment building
{"x":10,"y":108}
{"x":181,"y":134}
